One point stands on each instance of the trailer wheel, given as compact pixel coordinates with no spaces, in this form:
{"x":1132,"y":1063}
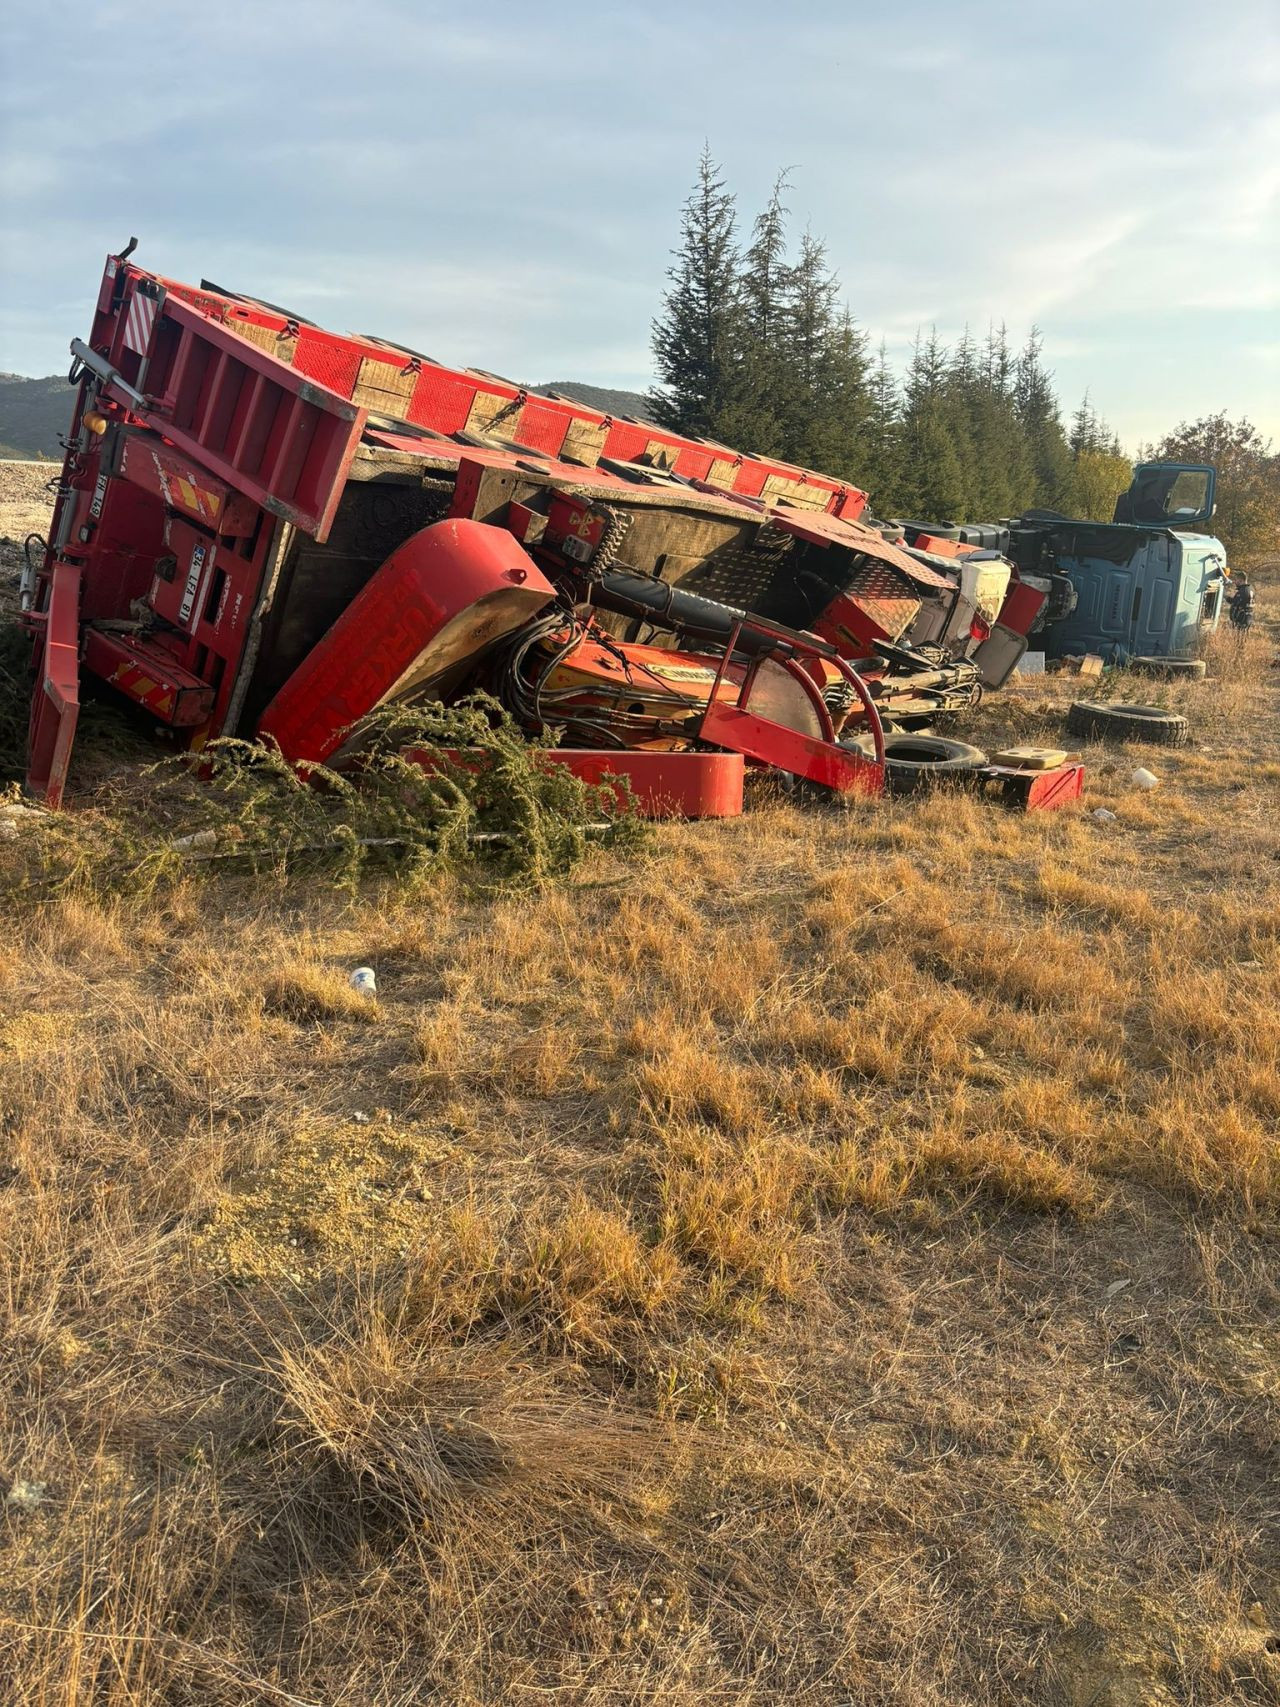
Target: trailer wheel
{"x":1127,"y":723}
{"x":915,"y":761}
{"x":1185,"y":669}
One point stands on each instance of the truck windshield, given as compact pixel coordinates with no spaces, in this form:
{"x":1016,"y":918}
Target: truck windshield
{"x":1167,"y":494}
{"x":1189,"y":494}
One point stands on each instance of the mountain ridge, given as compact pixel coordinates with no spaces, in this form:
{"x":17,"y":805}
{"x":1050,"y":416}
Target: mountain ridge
{"x":610,"y":400}
{"x":34,"y":413}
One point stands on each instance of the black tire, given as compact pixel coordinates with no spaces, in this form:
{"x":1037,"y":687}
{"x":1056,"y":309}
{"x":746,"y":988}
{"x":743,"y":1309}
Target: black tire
{"x":1185,"y":669}
{"x":915,"y":761}
{"x":1100,"y":722}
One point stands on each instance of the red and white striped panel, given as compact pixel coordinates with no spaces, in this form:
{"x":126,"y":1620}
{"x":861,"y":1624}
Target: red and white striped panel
{"x":139,"y":321}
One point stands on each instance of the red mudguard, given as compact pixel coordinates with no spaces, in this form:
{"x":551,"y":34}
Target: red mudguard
{"x":437,"y":604}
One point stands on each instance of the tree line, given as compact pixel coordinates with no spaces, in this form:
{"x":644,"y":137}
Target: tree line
{"x":754,"y":347}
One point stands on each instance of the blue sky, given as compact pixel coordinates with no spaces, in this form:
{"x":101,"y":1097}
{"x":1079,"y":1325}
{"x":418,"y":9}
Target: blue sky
{"x":499,"y":185}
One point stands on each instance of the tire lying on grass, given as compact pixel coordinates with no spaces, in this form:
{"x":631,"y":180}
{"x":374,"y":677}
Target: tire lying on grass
{"x":915,"y":761}
{"x":1101,"y":722}
{"x":1182,"y":669}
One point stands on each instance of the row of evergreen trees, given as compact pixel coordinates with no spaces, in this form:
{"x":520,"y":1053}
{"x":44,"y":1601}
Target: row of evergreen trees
{"x":755,"y":348}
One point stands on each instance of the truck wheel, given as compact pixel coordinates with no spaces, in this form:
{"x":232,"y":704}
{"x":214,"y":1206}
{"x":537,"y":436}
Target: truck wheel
{"x":914,"y":761}
{"x":1186,"y":669}
{"x":1127,"y":723}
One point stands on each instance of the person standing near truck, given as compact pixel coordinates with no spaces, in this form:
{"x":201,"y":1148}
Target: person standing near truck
{"x":1241,"y":604}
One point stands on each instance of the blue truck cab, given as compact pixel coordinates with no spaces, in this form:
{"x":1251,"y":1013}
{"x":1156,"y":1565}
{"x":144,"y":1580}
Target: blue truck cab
{"x":1151,"y":582}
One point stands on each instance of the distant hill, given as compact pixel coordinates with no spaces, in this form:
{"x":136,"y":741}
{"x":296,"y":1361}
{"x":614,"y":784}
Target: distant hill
{"x":34,"y":412}
{"x":600,"y":397}
{"x":33,"y":415}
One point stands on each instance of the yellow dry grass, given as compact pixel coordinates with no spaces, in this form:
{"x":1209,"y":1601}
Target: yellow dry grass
{"x":829,"y":1257}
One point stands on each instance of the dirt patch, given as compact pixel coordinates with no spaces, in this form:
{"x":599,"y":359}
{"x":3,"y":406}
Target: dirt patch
{"x":26,"y":502}
{"x":332,"y":1194}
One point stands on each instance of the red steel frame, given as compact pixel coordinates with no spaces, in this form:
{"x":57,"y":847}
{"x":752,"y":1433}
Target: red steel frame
{"x":230,"y":441}
{"x":660,"y":785}
{"x":226,"y":421}
{"x":822,"y":761}
{"x":56,"y":701}
{"x":446,"y":401}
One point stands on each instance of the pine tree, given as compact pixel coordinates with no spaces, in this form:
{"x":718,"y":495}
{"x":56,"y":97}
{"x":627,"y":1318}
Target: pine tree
{"x":823,"y":370}
{"x":878,"y":472}
{"x":999,"y":365}
{"x":1086,"y":430}
{"x":755,"y":412}
{"x":841,"y":421}
{"x":766,"y":275}
{"x":999,"y":471}
{"x":697,"y":338}
{"x":930,"y":474}
{"x":1005,"y":445}
{"x":810,"y":318}
{"x":962,"y":414}
{"x":1041,"y":424}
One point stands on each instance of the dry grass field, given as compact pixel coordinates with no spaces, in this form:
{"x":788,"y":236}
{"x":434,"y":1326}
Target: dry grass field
{"x":824,"y":1258}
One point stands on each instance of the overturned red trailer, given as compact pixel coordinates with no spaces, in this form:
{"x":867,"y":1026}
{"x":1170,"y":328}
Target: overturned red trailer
{"x":264,"y":528}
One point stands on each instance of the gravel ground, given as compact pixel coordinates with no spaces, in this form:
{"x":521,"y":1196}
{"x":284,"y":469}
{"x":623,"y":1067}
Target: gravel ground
{"x":25,"y":507}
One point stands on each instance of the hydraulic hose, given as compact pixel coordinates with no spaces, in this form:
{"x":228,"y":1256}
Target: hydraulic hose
{"x":629,"y":594}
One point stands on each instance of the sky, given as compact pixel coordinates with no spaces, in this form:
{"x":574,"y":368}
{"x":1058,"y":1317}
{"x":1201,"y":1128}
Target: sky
{"x":499,"y":185}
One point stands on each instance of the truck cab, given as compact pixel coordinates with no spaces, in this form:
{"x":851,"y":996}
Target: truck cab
{"x":1139,"y":591}
{"x":1149,"y":583}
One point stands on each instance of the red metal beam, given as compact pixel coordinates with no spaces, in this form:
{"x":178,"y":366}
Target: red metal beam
{"x":659,"y":784}
{"x":151,"y":677}
{"x":771,"y":744}
{"x":662,"y":785}
{"x":55,"y":705}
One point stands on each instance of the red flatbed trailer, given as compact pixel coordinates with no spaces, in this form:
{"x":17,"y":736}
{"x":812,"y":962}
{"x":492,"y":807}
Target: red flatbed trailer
{"x":238,"y":480}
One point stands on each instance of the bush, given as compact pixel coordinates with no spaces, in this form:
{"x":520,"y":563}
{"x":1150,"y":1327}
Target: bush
{"x":241,"y":806}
